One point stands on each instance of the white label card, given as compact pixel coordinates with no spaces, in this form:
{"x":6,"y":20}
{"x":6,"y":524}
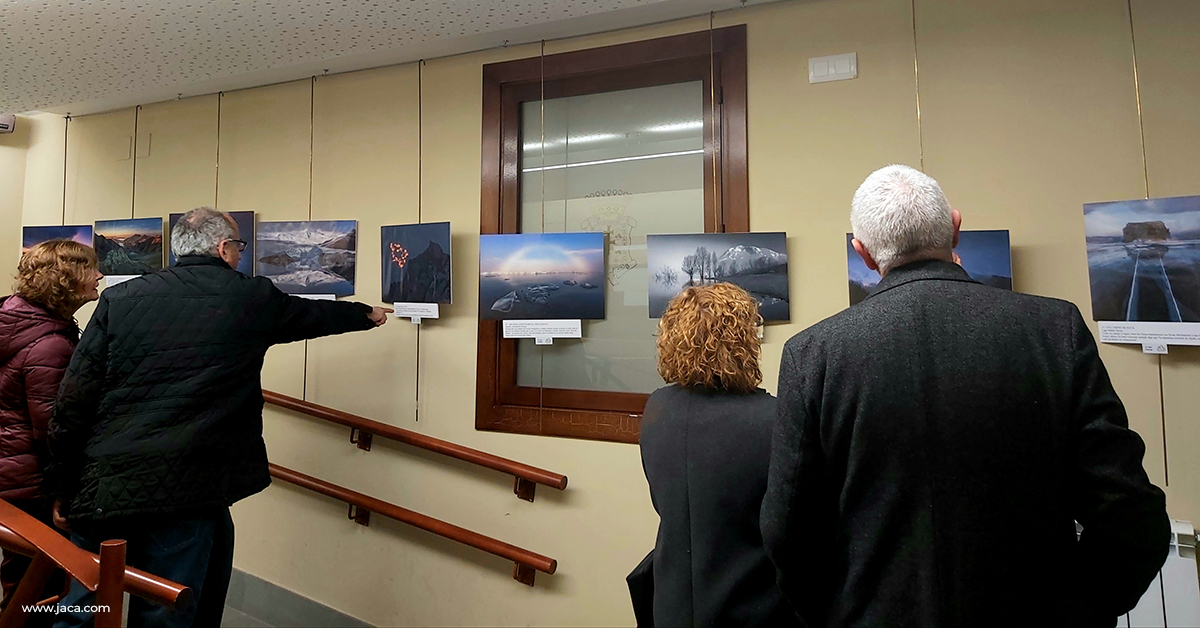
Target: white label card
{"x":112,"y":280}
{"x":1157,"y":348}
{"x":317,"y":297}
{"x":543,"y":329}
{"x":1138,"y":333}
{"x":415,"y":310}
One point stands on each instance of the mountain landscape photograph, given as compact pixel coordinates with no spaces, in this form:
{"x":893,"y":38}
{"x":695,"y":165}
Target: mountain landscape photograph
{"x":416,"y":263}
{"x":308,"y":257}
{"x":985,"y":255}
{"x":245,"y":223}
{"x":32,"y":236}
{"x":541,"y":276}
{"x":1144,"y":259}
{"x":130,"y":246}
{"x":757,"y":262}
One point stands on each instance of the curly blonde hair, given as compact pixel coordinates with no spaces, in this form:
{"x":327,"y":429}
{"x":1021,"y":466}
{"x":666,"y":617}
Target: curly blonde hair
{"x":53,"y":274}
{"x":708,"y":337}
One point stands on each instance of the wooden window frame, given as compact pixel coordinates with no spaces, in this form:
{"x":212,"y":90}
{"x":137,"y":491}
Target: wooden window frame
{"x":717,"y":56}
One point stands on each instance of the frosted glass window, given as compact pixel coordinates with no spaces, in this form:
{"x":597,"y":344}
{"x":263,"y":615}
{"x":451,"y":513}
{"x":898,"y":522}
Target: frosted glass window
{"x":626,"y":163}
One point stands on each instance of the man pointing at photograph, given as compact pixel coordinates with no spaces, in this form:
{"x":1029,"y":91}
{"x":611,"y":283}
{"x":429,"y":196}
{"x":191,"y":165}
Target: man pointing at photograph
{"x":158,"y":426}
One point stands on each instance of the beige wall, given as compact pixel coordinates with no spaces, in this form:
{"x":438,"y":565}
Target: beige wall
{"x":1027,"y":111}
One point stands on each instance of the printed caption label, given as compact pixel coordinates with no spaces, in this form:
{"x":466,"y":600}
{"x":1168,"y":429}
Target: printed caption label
{"x":543,"y":331}
{"x":1142,"y":333}
{"x":416,"y":311}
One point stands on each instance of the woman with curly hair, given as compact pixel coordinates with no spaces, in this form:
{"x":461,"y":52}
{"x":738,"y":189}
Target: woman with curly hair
{"x":706,"y":443}
{"x":38,"y":333}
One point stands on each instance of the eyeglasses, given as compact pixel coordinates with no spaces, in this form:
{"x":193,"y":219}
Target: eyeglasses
{"x":241,"y":244}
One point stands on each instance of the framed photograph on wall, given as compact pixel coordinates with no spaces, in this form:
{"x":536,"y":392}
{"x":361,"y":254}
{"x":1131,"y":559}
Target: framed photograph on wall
{"x":541,"y":276}
{"x":1144,"y":266}
{"x":985,"y":255}
{"x":32,"y":236}
{"x":129,"y":247}
{"x":416,"y":263}
{"x":308,"y":257}
{"x":756,"y":262}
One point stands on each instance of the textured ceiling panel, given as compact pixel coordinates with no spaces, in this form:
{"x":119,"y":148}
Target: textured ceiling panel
{"x":93,"y":54}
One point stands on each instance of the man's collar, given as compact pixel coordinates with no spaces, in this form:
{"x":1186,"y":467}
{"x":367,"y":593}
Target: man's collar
{"x":919,"y":271}
{"x":200,"y":260}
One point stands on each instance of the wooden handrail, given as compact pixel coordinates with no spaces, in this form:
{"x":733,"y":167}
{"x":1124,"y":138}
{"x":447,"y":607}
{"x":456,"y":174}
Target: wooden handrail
{"x":140,"y":583}
{"x":55,"y":546}
{"x":525,"y":562}
{"x":527,"y":477}
{"x":106,"y":574}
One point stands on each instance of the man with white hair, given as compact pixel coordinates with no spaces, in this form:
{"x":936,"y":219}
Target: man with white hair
{"x":936,"y":444}
{"x":158,"y":425}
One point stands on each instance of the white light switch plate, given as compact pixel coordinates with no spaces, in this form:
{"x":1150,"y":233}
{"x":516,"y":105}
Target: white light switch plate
{"x":833,"y":68}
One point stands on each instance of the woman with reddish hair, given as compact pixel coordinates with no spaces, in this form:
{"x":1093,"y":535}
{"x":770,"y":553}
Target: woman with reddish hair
{"x":38,"y":333}
{"x":706,"y":444}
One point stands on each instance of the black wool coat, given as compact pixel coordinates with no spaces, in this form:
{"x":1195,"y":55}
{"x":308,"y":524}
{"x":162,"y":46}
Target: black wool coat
{"x":160,"y":409}
{"x":705,"y":453}
{"x":935,"y":446}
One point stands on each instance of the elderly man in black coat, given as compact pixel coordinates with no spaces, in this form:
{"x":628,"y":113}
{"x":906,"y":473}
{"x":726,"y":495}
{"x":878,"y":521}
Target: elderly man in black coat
{"x":936,"y":444}
{"x":158,"y":425}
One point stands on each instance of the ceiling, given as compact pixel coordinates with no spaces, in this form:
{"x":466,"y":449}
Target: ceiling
{"x":84,"y":56}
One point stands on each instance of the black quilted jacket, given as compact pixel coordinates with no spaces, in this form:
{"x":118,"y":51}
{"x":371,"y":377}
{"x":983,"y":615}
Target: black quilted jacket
{"x":160,"y":410}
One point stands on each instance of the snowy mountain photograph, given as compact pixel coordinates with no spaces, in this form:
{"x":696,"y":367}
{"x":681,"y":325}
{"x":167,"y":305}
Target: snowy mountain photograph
{"x":308,"y":257}
{"x":129,"y":246}
{"x":755,"y":261}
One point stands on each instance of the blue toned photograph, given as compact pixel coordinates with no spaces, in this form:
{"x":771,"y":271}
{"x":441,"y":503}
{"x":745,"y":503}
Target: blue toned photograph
{"x":756,"y":262}
{"x":1144,"y":259}
{"x":245,"y":223}
{"x":308,"y":257}
{"x":32,"y":236}
{"x":416,"y":263}
{"x":129,"y":247}
{"x":985,"y":256}
{"x":541,"y":275}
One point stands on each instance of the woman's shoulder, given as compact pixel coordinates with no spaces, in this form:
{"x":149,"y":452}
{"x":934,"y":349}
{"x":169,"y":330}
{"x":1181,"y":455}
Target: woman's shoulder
{"x":52,"y":349}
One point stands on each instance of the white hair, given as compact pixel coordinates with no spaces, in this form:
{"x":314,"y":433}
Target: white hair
{"x":901,"y":215}
{"x":200,"y":231}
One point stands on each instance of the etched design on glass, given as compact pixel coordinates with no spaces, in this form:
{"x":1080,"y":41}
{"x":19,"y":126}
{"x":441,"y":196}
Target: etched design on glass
{"x":613,"y":221}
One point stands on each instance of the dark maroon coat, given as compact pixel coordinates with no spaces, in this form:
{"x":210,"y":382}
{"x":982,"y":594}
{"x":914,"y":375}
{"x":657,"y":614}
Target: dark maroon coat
{"x":35,"y":347}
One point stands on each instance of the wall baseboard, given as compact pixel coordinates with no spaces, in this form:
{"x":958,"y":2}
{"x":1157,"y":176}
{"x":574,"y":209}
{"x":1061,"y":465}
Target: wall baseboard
{"x":254,"y":602}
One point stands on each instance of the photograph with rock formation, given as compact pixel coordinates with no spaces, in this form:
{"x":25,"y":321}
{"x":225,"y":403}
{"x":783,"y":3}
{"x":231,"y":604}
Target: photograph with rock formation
{"x":541,"y":276}
{"x":984,"y":254}
{"x":245,"y":223}
{"x":308,"y":257}
{"x":129,"y":247}
{"x":1144,"y":259}
{"x":416,"y":263}
{"x":33,"y":236}
{"x":755,"y":261}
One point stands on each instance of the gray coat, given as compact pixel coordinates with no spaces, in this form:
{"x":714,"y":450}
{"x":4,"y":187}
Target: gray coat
{"x":705,"y":454}
{"x":935,"y":446}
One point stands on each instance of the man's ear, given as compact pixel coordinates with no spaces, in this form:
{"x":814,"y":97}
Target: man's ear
{"x":866,"y":255}
{"x":957,"y":219}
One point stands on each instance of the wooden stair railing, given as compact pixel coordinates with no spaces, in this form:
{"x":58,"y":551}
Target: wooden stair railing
{"x":362,"y":429}
{"x":525,"y":562}
{"x":105,"y":574}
